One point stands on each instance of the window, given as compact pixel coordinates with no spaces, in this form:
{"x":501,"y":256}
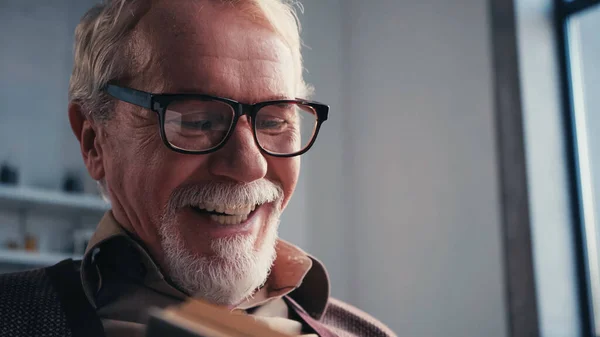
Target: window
{"x":579,"y":22}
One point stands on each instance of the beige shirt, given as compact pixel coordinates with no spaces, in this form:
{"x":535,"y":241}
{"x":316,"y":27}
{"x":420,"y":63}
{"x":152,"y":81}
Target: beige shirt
{"x":122,"y":282}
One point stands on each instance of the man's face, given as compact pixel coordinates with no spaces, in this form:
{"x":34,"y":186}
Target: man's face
{"x":199,"y":47}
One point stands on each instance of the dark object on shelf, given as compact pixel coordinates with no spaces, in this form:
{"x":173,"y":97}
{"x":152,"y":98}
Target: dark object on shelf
{"x":73,"y":183}
{"x":12,"y":245}
{"x":8,"y":174}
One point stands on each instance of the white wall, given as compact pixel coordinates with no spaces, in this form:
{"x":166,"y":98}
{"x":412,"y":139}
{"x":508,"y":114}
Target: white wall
{"x":328,"y":227}
{"x":412,"y":215}
{"x":35,"y":64}
{"x":36,"y":60}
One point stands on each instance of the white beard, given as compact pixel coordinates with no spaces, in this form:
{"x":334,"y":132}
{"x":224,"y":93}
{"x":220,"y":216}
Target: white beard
{"x":231,"y":274}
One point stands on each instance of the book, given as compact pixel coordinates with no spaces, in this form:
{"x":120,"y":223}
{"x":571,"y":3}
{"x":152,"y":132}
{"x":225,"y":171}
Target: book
{"x":195,"y":318}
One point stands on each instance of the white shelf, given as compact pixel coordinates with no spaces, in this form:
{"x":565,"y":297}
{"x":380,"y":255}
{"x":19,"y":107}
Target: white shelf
{"x":31,"y":199}
{"x":23,"y":258}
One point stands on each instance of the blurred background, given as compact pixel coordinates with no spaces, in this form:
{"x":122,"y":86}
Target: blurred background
{"x":404,"y":197}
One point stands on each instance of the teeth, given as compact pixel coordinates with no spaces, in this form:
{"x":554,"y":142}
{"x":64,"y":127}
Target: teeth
{"x":229,"y":219}
{"x":245,"y":210}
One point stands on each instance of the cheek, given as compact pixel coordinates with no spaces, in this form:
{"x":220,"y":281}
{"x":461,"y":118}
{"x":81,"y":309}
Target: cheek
{"x":167,"y":171}
{"x":133,"y":166}
{"x":146,"y":172}
{"x":284,"y":171}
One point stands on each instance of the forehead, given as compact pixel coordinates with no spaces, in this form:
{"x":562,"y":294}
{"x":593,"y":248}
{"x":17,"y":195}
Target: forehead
{"x":201,"y":46}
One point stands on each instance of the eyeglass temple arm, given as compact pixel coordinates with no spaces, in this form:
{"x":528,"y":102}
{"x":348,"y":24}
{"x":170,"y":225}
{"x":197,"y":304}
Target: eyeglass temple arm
{"x":139,"y":98}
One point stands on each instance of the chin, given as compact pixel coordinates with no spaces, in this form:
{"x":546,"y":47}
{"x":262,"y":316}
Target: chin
{"x":226,"y":272}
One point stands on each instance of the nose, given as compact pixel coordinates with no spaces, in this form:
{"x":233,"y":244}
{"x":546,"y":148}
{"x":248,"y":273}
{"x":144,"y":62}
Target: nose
{"x":240,"y":159}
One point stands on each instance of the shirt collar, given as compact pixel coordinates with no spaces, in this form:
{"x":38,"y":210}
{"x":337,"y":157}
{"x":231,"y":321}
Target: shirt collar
{"x":114,"y":251}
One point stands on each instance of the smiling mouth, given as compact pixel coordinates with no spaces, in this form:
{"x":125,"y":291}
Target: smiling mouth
{"x":226,"y":215}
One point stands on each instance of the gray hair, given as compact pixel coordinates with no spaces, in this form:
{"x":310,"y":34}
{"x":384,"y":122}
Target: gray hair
{"x":103,"y":48}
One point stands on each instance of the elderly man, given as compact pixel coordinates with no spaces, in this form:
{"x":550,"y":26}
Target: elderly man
{"x":192,"y":116}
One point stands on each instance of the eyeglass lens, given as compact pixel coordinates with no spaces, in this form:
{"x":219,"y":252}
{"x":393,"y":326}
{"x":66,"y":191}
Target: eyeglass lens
{"x":200,"y":125}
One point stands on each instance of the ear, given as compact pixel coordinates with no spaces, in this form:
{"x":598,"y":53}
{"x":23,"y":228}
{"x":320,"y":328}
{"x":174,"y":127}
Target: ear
{"x":86,"y":132}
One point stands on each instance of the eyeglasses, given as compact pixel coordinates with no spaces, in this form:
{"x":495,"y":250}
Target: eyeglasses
{"x":201,"y":124}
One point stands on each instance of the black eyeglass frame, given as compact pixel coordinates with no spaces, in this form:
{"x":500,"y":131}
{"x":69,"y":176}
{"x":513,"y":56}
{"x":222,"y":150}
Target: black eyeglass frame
{"x":160,"y":102}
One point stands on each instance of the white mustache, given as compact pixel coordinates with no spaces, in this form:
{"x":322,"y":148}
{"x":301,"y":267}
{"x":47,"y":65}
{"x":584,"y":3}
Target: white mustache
{"x":228,"y":194}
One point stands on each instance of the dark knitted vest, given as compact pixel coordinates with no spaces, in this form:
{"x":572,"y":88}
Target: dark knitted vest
{"x":47,"y":302}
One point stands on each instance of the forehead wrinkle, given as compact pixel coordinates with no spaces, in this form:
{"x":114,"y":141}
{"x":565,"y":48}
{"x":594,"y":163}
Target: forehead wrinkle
{"x":228,"y":51}
{"x":272,"y":93}
{"x":239,"y":59}
{"x":220,"y":77}
{"x":215,"y":57}
{"x":267,"y":65}
{"x":191,"y":25}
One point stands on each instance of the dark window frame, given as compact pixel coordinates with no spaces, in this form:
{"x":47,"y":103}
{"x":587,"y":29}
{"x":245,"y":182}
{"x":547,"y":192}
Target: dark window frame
{"x":564,"y":10}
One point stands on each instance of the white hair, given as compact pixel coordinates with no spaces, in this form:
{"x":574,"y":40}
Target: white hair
{"x":236,"y":267}
{"x":103,"y":46}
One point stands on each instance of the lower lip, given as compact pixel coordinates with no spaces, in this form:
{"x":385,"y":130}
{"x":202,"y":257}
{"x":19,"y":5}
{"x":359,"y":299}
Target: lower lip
{"x":216,"y":229}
